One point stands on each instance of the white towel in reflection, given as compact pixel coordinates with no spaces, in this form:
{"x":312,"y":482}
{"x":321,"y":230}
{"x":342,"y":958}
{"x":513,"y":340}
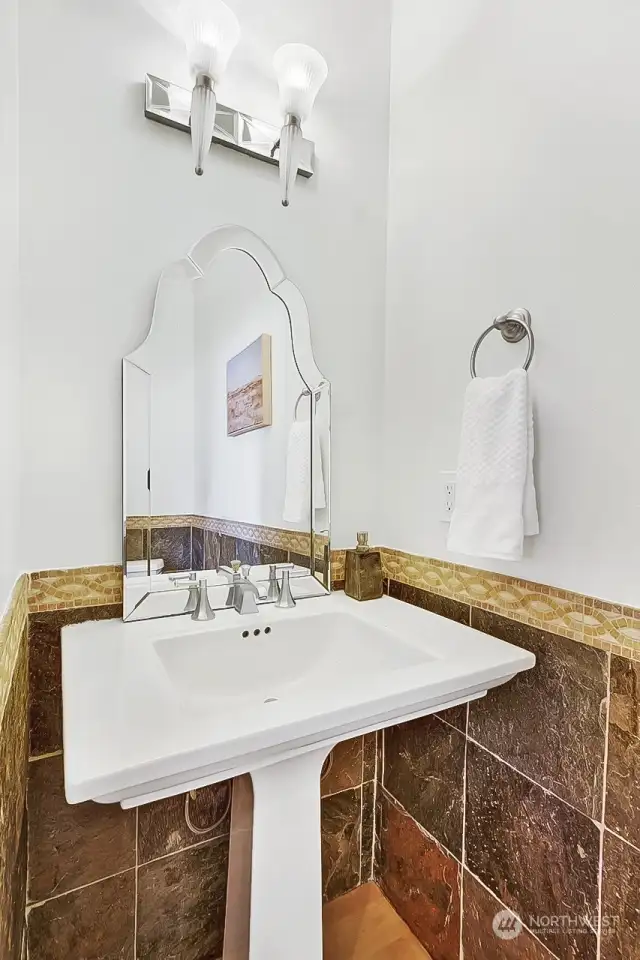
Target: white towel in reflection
{"x":495,"y":494}
{"x":298,"y":494}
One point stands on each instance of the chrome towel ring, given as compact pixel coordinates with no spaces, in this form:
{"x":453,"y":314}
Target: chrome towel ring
{"x":513,"y":326}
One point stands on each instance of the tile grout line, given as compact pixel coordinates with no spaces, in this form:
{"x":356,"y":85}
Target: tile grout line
{"x":511,"y":910}
{"x":45,"y":756}
{"x":83,"y":886}
{"x":464,"y":829}
{"x":360,"y":830}
{"x":605,"y":772}
{"x":531,"y":780}
{"x":193,"y":846}
{"x":451,"y":725}
{"x":361,"y":808}
{"x":119,"y":873}
{"x":336,"y":793}
{"x":618,"y":836}
{"x":374,"y":832}
{"x":422,"y":829}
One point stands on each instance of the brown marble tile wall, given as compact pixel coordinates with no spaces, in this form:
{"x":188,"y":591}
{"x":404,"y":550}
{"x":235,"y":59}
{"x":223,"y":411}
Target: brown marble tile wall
{"x":347,"y":787}
{"x":173,"y":545}
{"x":197,"y":549}
{"x":101,"y":878}
{"x":421,"y":879}
{"x":45,"y":672}
{"x":533,"y":793}
{"x":87,"y":860}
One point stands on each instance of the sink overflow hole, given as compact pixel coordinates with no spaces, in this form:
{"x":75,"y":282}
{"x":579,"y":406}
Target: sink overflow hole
{"x":271,"y":700}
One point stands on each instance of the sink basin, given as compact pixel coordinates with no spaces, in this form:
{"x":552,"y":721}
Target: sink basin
{"x":155,"y":708}
{"x":295,"y":652}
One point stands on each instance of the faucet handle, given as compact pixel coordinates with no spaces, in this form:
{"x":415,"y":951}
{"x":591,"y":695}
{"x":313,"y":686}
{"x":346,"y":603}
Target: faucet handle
{"x":235,"y":566}
{"x":245,"y":570}
{"x":183,"y":577}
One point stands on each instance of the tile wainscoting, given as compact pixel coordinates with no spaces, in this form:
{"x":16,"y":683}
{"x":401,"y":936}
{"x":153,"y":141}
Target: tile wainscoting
{"x":13,"y":773}
{"x":527,"y":801}
{"x":608,"y":626}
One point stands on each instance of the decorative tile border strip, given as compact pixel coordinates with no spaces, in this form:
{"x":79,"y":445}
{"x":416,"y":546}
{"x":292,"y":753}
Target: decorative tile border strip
{"x":294,"y":540}
{"x":338,"y":558}
{"x":162,"y":521}
{"x":86,"y":587}
{"x":596,"y":623}
{"x":11,"y":631}
{"x":80,"y":587}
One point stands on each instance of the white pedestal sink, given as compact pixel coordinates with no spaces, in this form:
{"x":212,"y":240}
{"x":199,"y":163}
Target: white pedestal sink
{"x":156,"y":708}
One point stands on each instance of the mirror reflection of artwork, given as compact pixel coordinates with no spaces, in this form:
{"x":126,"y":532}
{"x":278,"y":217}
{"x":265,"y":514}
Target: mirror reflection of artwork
{"x":249,"y":388}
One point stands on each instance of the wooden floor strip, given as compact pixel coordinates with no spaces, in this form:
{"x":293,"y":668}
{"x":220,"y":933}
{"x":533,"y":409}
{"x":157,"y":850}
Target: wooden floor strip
{"x":362,"y":925}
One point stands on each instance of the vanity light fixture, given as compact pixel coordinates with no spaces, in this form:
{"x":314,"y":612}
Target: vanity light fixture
{"x":210,"y":32}
{"x":300,"y":71}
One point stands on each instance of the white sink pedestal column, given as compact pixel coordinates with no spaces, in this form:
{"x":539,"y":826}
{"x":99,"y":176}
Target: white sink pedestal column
{"x":286,"y":869}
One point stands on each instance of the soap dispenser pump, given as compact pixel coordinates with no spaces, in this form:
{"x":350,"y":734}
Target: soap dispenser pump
{"x":363,"y":571}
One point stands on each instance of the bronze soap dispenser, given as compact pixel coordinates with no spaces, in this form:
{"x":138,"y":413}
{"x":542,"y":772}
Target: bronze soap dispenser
{"x":363,"y":571}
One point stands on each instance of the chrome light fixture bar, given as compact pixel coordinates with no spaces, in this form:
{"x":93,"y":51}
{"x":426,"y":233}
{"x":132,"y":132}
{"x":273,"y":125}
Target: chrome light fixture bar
{"x":170,"y":104}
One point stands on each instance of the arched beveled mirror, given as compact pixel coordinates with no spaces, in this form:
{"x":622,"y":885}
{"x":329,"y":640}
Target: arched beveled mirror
{"x":226,"y":439}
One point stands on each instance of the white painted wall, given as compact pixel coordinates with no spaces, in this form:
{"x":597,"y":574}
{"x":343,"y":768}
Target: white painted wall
{"x":9,"y":303}
{"x":515,"y":151}
{"x":109,"y":198}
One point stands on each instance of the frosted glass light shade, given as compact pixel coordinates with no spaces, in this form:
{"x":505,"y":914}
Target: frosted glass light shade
{"x":300,"y":71}
{"x":210,"y":30}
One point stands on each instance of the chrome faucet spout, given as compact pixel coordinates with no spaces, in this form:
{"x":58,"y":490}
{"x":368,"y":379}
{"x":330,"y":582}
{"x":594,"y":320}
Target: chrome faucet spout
{"x":203,"y":610}
{"x":246,"y":594}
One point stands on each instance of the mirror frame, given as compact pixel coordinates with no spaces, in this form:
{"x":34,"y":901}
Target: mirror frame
{"x":194,"y":267}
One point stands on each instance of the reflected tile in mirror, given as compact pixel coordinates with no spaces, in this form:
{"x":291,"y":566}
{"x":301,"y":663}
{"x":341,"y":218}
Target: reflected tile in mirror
{"x":173,"y":545}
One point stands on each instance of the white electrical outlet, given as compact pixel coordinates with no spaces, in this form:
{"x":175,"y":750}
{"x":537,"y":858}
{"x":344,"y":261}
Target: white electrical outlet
{"x":447,"y":494}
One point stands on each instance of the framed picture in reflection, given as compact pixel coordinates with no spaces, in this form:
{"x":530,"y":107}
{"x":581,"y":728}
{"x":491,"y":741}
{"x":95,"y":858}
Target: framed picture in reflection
{"x":249,"y":388}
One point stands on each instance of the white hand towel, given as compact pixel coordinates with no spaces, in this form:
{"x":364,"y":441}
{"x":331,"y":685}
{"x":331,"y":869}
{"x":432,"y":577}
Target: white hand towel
{"x":495,"y":494}
{"x":297,"y":492}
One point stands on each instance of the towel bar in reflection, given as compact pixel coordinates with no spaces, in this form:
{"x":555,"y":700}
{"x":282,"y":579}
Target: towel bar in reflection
{"x":307,"y":393}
